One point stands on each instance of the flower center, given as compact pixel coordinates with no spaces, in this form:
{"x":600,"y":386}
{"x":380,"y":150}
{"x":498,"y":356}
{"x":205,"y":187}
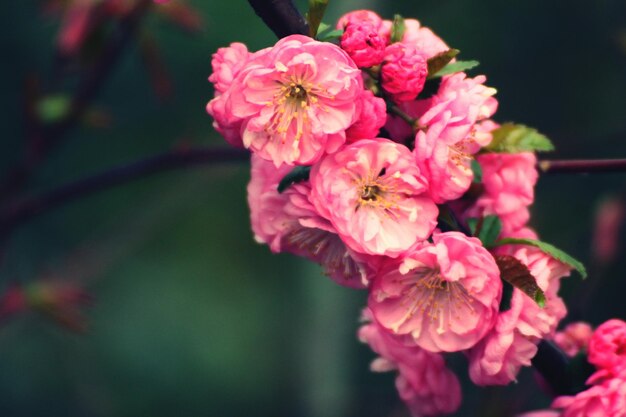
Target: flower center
{"x":377,"y":190}
{"x":370,"y":192}
{"x":440,"y":300}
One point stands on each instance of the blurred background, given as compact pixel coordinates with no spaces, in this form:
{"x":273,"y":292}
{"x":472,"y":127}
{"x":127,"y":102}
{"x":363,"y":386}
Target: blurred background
{"x":164,"y":303}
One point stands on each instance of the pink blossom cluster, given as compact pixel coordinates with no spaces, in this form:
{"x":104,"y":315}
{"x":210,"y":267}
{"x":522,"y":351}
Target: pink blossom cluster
{"x":340,"y":175}
{"x":606,"y":351}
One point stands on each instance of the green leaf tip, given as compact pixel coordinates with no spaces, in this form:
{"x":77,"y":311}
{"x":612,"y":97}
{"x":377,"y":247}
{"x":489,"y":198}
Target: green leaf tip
{"x":548,"y":249}
{"x":397,"y":28}
{"x":487,"y":229}
{"x":514,"y":138}
{"x":454,"y":67}
{"x":439,"y":61}
{"x":314,"y":17}
{"x":477,"y":170}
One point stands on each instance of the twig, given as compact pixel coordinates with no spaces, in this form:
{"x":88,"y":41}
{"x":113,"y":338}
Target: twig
{"x":552,"y":364}
{"x":281,"y":16}
{"x":89,"y":86}
{"x":24,"y":210}
{"x":582,"y":166}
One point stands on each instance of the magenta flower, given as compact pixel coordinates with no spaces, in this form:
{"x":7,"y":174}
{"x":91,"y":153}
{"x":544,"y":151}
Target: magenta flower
{"x":607,"y":347}
{"x":403,"y":72}
{"x":371,"y":118}
{"x":373,"y":194}
{"x":358,"y":17}
{"x":424,"y":382}
{"x":363,"y":43}
{"x":288,"y":222}
{"x":445,"y":295}
{"x":607,"y":399}
{"x":296,"y":100}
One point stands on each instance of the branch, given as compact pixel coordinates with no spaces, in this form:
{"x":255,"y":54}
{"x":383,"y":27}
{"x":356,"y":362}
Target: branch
{"x":24,"y":210}
{"x":582,"y":166}
{"x":552,"y":364}
{"x":88,"y":87}
{"x":281,"y":16}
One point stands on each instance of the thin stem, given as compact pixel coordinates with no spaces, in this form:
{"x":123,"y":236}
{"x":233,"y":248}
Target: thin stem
{"x":582,"y":166}
{"x":90,"y":84}
{"x":24,"y":210}
{"x":281,"y":16}
{"x":393,"y":109}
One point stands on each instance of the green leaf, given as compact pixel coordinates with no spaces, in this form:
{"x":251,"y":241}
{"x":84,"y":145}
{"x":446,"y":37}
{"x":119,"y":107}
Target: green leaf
{"x":487,"y":229}
{"x":490,"y":230}
{"x":323,"y":27}
{"x":53,"y":108}
{"x":453,"y":67}
{"x":439,"y":61}
{"x":518,"y":275}
{"x":397,"y":29}
{"x":514,"y":138}
{"x":314,"y":17}
{"x":329,"y":35}
{"x":298,"y":174}
{"x":477,"y":170}
{"x":548,"y":249}
{"x":472,"y":223}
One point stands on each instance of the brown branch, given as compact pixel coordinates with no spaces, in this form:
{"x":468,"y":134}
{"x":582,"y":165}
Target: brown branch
{"x":281,"y":16}
{"x":89,"y":86}
{"x":582,"y":166}
{"x":22,"y":211}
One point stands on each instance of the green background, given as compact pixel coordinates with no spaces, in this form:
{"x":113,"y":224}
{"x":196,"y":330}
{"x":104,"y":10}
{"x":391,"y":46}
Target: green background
{"x":191,"y":317}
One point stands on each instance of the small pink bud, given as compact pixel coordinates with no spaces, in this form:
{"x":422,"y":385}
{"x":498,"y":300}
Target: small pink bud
{"x":403,"y":72}
{"x":363,"y":43}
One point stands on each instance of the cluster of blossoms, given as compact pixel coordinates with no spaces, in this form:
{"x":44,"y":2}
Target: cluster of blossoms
{"x":360,"y":151}
{"x":605,"y":349}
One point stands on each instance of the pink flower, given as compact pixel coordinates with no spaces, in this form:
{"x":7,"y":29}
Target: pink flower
{"x":288,"y":222}
{"x":447,"y":167}
{"x":359,"y":17}
{"x":373,"y":195}
{"x":424,"y":382}
{"x":497,"y":359}
{"x":423,"y":39}
{"x":512,"y":343}
{"x":509,"y":188}
{"x":371,"y":118}
{"x":574,"y":338}
{"x":607,"y":347}
{"x":295,"y":100}
{"x":363,"y":43}
{"x":459,"y":103}
{"x":603,"y":400}
{"x":445,"y":295}
{"x":227,"y":63}
{"x":403,"y":72}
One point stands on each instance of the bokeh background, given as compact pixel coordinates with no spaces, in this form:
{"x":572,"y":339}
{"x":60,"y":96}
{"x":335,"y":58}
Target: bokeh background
{"x":190,"y":316}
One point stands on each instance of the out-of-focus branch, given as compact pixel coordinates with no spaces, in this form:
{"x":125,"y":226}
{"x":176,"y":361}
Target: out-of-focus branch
{"x":582,"y":166}
{"x":552,"y":364}
{"x":24,"y":210}
{"x":90,"y":84}
{"x":281,"y":16}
